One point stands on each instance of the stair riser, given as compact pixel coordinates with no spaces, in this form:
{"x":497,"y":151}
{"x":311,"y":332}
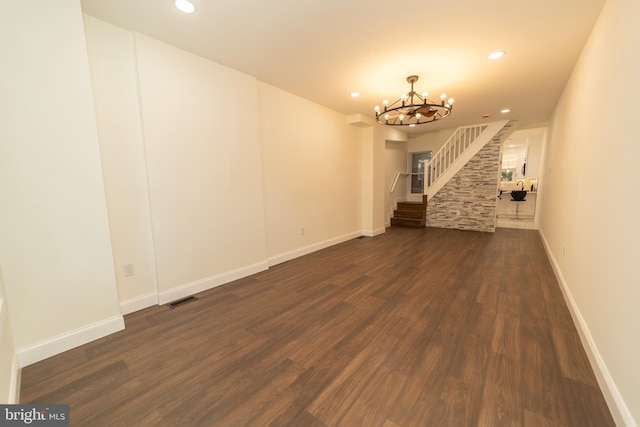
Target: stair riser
{"x":415,"y":223}
{"x":410,"y":214}
{"x":411,"y":206}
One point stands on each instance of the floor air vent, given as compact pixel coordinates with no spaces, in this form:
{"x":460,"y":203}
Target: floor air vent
{"x":181,"y":301}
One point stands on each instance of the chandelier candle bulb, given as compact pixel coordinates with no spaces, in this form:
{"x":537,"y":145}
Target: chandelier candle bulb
{"x":413,"y":108}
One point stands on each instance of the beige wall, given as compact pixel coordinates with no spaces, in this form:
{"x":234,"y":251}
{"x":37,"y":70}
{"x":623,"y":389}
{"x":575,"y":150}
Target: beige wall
{"x":227,"y":195}
{"x":395,"y":156}
{"x":589,"y":211}
{"x":203,"y":156}
{"x":311,"y":174}
{"x":115,"y":89}
{"x":432,"y":141}
{"x":263,"y":182}
{"x":375,"y":179}
{"x":55,"y":250}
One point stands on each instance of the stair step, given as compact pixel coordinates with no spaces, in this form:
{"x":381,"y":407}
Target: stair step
{"x":409,"y":214}
{"x":412,"y":206}
{"x":404,"y":222}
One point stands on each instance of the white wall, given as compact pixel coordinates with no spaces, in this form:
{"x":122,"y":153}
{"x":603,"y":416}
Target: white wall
{"x":312,"y":174}
{"x":431,"y":141}
{"x":374,"y":209}
{"x":535,"y":152}
{"x":395,"y":156}
{"x":55,"y":249}
{"x":220,"y":182}
{"x":9,"y":367}
{"x":367,"y":164}
{"x":590,"y":206}
{"x":203,"y":156}
{"x":115,"y":89}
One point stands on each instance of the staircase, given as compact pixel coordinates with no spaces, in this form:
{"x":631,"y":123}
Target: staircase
{"x":411,"y":214}
{"x":464,"y":144}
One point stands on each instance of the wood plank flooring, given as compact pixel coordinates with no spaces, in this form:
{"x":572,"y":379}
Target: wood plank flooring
{"x":416,"y":327}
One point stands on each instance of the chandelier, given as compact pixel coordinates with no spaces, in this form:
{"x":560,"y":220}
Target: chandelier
{"x":413,"y":109}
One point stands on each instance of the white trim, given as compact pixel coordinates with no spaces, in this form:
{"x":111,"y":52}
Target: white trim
{"x":617,"y":406}
{"x":376,"y":232}
{"x":69,"y":340}
{"x":360,"y":120}
{"x":138,"y":303}
{"x":287,"y":256}
{"x":210,"y":282}
{"x":14,"y":382}
{"x":394,"y":206}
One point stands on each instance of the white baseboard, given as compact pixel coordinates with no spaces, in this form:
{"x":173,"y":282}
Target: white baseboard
{"x":210,"y":282}
{"x":69,"y":340}
{"x":220,"y":279}
{"x":376,"y":232}
{"x":138,"y":303}
{"x":287,"y":256}
{"x":619,"y":410}
{"x":14,"y":382}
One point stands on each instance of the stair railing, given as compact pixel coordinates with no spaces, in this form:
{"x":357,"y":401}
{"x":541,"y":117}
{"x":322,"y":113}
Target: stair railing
{"x":461,"y":139}
{"x":395,"y":182}
{"x":396,"y":179}
{"x":463,"y":145}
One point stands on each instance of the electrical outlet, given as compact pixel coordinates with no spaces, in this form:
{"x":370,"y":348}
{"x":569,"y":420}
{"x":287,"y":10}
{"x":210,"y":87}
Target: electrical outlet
{"x":302,"y":231}
{"x":128,"y":270}
{"x":564,"y":250}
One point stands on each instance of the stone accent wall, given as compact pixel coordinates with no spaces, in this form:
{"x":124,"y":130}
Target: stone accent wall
{"x":468,"y":201}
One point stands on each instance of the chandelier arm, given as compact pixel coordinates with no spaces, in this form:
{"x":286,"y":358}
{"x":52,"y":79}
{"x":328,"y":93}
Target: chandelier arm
{"x":412,"y":112}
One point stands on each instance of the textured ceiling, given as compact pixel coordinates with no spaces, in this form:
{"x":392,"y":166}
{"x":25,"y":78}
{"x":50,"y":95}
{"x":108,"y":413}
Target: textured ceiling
{"x":325,"y":50}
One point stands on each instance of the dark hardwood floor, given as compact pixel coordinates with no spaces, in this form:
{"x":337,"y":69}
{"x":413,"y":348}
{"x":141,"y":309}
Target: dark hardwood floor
{"x":416,"y":327}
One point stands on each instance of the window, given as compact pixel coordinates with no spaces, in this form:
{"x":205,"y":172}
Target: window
{"x":418,"y":165}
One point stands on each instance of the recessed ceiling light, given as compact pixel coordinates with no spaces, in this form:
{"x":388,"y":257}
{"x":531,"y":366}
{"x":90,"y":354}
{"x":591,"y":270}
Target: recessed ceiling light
{"x":496,"y":55}
{"x":355,"y":94}
{"x":185,"y":6}
{"x":506,"y":110}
